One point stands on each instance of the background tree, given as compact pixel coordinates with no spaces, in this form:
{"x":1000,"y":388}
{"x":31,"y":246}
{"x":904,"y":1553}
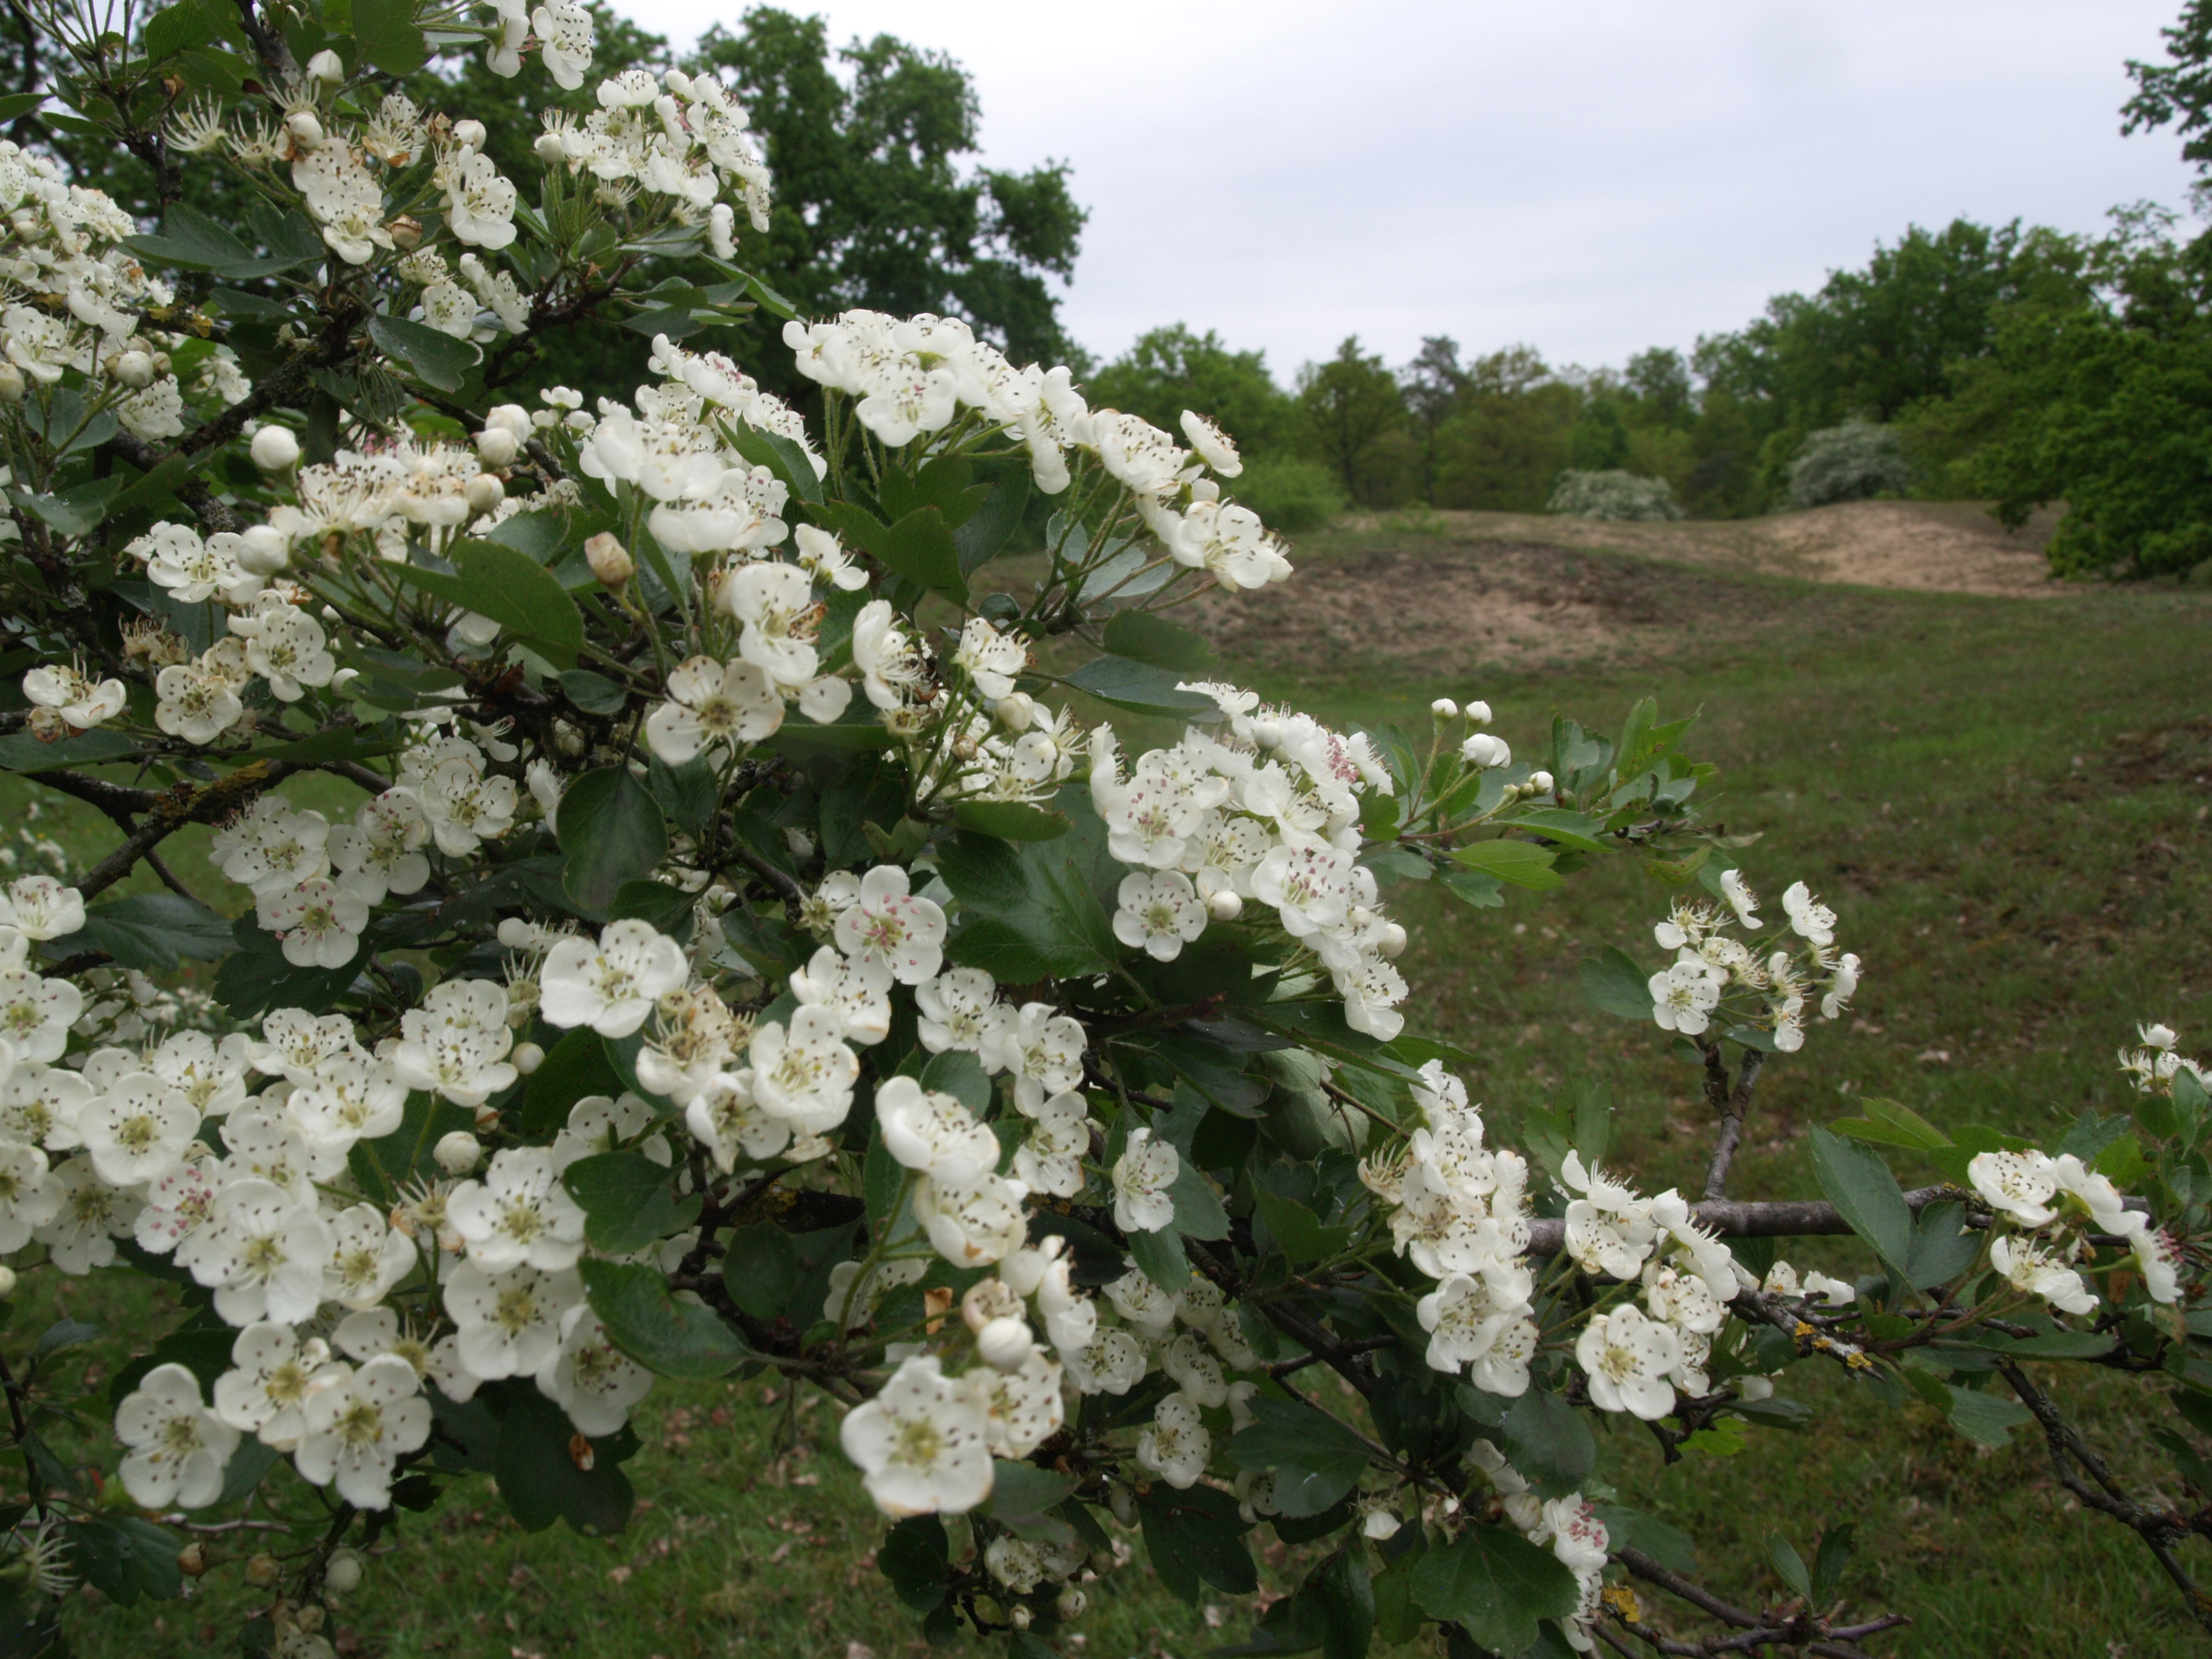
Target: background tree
{"x":1171,"y":369}
{"x":873,"y":207}
{"x":1352,"y":406}
{"x":1432,"y":384}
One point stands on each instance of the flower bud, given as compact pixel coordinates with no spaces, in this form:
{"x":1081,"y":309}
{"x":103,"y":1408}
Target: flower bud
{"x":484,"y":493}
{"x":1479,"y":712}
{"x":1756,"y":1387}
{"x":263,"y":1571}
{"x":1070,"y":1604}
{"x":134,"y":368}
{"x":1484,"y":750}
{"x":1541,"y":782}
{"x":458,"y":1152}
{"x":308,"y":1618}
{"x":1018,"y":1616}
{"x":549,"y":148}
{"x":1444,"y":709}
{"x":527,"y":1058}
{"x":471,"y":133}
{"x":275,"y":449}
{"x":677,"y":81}
{"x":1392,"y":943}
{"x":1122,"y":1502}
{"x":1006,"y":1345}
{"x":12,"y":384}
{"x":497,"y":446}
{"x":343,"y":1574}
{"x":1016,"y":710}
{"x":7,"y":1281}
{"x":326,"y":66}
{"x":263,"y":550}
{"x":406,"y":233}
{"x":1223,"y":905}
{"x":1103,"y":1562}
{"x":987,"y":1299}
{"x":306,"y":130}
{"x":609,"y":559}
{"x":191,"y":1560}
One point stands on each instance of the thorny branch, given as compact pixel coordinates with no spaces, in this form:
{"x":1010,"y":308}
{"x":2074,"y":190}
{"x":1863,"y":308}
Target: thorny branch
{"x":2072,"y":1457}
{"x":1793,"y":1626}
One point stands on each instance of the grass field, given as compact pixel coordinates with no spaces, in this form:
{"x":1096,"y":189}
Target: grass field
{"x":2005,"y":801}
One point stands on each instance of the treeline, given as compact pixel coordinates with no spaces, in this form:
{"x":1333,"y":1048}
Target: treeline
{"x":2021,"y":366}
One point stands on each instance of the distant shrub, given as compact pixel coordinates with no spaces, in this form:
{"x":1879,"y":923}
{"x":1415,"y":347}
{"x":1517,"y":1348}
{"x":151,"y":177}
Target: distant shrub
{"x":1294,"y":496}
{"x":1611,"y":494}
{"x":1853,"y":462}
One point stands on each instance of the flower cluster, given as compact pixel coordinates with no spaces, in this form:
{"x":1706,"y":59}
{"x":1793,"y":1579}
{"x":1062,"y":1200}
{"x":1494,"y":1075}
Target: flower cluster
{"x":681,"y":137}
{"x":1717,"y":976}
{"x":2051,"y":1212}
{"x":78,"y":303}
{"x":1266,"y":811}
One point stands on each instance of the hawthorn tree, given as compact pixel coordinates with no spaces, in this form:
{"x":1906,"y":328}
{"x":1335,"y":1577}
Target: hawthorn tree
{"x":745,"y":949}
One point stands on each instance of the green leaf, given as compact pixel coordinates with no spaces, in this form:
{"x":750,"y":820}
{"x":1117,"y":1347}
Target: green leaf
{"x":125,"y":1559}
{"x":153,"y":932}
{"x":628,"y":1201}
{"x":1022,"y":1492}
{"x":1556,"y":824}
{"x":1316,"y":1459}
{"x":1011,"y":820}
{"x":782,"y":456}
{"x":1985,"y":1419}
{"x":573,"y":1069}
{"x":1633,"y":1530}
{"x":1028,"y":912}
{"x":1547,"y":1441}
{"x":1141,"y":689}
{"x":1159,"y":1255}
{"x":1341,"y":1600}
{"x":1523,"y":863}
{"x":1143,"y":637}
{"x":611,"y":832}
{"x":957,"y":1073}
{"x":919,"y":547}
{"x":1789,"y":1565}
{"x":760,"y":1266}
{"x":1866,"y":1194}
{"x":437,"y":358}
{"x":916,"y":1557}
{"x":511,"y":588}
{"x":191,"y":240}
{"x":1198,"y":1213}
{"x":1613,"y":984}
{"x":388,"y":36}
{"x":1942,"y":1247}
{"x":646,"y":1321}
{"x":256,"y":976}
{"x":1194,"y":1538}
{"x":1473,"y":887}
{"x":668,"y":910}
{"x":406,"y":1152}
{"x":1496,"y":1585}
{"x":539,"y":1474}
{"x":595,"y":694}
{"x":1832,"y":1558}
{"x":1298,"y":1230}
{"x":1888,"y":1124}
{"x":16,"y":105}
{"x":994,"y":523}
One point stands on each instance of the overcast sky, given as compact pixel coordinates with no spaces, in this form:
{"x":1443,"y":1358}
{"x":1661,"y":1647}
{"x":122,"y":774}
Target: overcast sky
{"x":1590,"y":176}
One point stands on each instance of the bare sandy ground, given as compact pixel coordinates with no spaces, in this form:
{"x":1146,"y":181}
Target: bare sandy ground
{"x":1943,"y":547}
{"x":1449,"y":592}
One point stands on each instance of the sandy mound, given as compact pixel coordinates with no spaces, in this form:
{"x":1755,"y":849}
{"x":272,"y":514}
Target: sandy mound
{"x":1943,"y":547}
{"x":1448,"y":610}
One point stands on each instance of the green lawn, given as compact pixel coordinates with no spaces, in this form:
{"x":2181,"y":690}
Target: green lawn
{"x":2006,"y":803}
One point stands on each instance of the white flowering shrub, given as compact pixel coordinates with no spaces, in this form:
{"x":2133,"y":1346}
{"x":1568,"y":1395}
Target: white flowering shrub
{"x":744,"y":954}
{"x":1854,"y":462}
{"x":1612,"y":494}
